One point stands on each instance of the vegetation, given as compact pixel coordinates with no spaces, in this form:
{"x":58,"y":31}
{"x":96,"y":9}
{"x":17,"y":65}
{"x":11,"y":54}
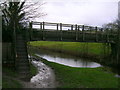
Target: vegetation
{"x":33,"y":70}
{"x":114,"y":27}
{"x":71,"y":77}
{"x":9,"y":79}
{"x":94,"y":50}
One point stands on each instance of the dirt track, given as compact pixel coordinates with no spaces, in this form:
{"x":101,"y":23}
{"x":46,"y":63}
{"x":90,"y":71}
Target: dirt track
{"x":45,"y":77}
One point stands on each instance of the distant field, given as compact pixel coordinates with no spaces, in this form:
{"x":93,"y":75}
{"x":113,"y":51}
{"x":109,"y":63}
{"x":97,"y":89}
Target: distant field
{"x":75,"y":48}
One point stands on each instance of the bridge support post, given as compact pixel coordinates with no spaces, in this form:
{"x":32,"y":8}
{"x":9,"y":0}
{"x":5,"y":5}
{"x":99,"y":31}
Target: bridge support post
{"x":102,"y":34}
{"x":30,"y":31}
{"x":61,"y":31}
{"x":57,"y":27}
{"x":43,"y":31}
{"x":107,"y":34}
{"x":96,"y":36}
{"x":40,"y":26}
{"x":83,"y":34}
{"x":71,"y":27}
{"x":76,"y":29}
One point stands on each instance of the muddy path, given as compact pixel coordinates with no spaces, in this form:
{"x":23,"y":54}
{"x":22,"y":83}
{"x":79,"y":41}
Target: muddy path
{"x":45,"y":77}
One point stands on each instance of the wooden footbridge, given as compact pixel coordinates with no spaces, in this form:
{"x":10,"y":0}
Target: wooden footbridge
{"x":58,"y":32}
{"x":67,"y":32}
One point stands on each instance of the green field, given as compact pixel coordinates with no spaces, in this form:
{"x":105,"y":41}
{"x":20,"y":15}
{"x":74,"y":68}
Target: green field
{"x":71,"y":77}
{"x":94,"y":50}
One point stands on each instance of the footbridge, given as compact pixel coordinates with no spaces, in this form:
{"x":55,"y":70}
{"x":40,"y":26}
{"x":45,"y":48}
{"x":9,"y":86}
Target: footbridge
{"x":47,"y":31}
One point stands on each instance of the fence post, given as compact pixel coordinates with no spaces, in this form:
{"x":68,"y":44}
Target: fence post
{"x":43,"y":30}
{"x":90,"y":30}
{"x":102,"y":34}
{"x":96,"y":34}
{"x":61,"y":31}
{"x":83,"y":35}
{"x":30,"y":31}
{"x":107,"y":34}
{"x":40,"y":26}
{"x":57,"y":27}
{"x":76,"y":29}
{"x":71,"y":27}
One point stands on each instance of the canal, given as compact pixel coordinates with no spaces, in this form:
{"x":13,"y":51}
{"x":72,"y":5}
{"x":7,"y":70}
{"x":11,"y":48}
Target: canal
{"x":64,"y":59}
{"x":68,"y":60}
{"x":45,"y":73}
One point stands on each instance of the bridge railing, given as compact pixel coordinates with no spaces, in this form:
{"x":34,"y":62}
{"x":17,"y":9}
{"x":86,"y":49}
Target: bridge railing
{"x":70,"y":32}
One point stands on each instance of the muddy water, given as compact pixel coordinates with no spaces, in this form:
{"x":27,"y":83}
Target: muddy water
{"x":45,"y":77}
{"x":64,"y":59}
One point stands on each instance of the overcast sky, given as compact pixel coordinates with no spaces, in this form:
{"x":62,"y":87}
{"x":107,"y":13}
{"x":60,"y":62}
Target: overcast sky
{"x":88,"y":12}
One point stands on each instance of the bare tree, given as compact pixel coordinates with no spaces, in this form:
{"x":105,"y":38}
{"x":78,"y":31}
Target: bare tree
{"x":26,"y":10}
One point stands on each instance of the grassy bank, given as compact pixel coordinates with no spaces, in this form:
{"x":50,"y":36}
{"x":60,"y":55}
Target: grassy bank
{"x":33,"y":70}
{"x":70,"y":77}
{"x":91,"y":50}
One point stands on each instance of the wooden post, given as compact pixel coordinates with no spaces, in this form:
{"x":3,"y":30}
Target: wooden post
{"x":43,"y":30}
{"x":96,"y":37}
{"x":40,"y":26}
{"x":102,"y":34}
{"x":90,"y":30}
{"x":76,"y":29}
{"x":61,"y":31}
{"x":30,"y":31}
{"x":71,"y":27}
{"x":57,"y":27}
{"x":83,"y":35}
{"x":107,"y":35}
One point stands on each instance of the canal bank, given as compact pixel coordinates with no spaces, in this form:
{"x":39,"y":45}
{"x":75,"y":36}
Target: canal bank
{"x":94,"y":51}
{"x":79,"y":77}
{"x":97,"y":52}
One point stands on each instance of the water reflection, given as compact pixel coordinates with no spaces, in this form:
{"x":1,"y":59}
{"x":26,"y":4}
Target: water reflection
{"x":67,"y":60}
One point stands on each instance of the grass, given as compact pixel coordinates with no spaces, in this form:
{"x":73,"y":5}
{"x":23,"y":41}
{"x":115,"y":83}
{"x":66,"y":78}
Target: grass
{"x":7,"y":79}
{"x":10,"y":83}
{"x":71,"y":77}
{"x":10,"y":77}
{"x":33,"y":70}
{"x":94,"y":50}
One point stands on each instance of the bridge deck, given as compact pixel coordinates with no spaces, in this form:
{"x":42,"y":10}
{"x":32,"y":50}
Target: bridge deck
{"x":68,"y":32}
